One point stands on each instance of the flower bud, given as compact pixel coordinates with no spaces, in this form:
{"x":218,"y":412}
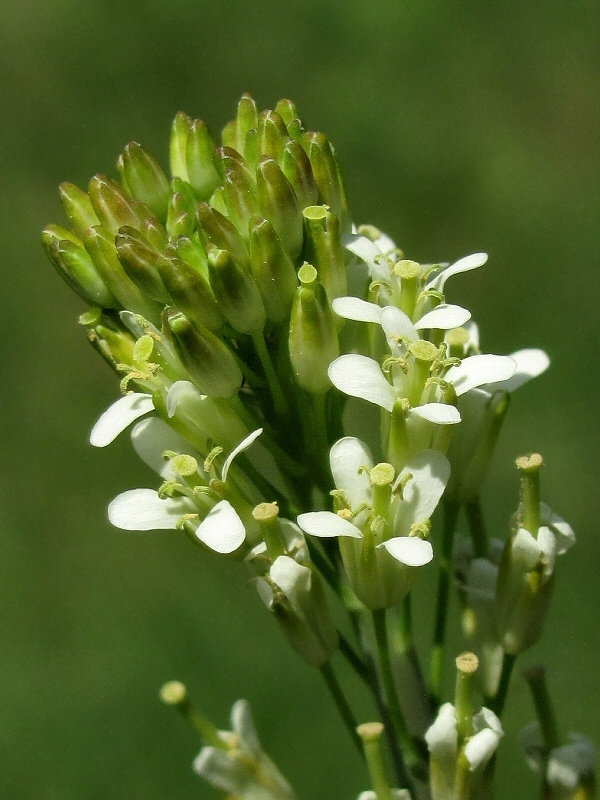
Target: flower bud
{"x":99,"y":243}
{"x":296,"y":168}
{"x":208,"y":360}
{"x":201,"y":171}
{"x":227,"y":158}
{"x":240,"y":198}
{"x":287,"y":110}
{"x":278,"y":204}
{"x":313,"y":341}
{"x":76,"y":267}
{"x":272,"y":135}
{"x":327,"y":176}
{"x":78,"y":208}
{"x":273,"y":270}
{"x":180,"y":220}
{"x":236,"y":293}
{"x":190,"y":292}
{"x":246,"y":120}
{"x":295,"y":594}
{"x":222,"y":233}
{"x":180,"y":131}
{"x":113,"y":208}
{"x":145,"y":179}
{"x":141,"y":263}
{"x":323,"y":249}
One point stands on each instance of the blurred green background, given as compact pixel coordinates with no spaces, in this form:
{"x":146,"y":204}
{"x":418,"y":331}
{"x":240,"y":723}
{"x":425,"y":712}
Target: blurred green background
{"x":460,"y":126}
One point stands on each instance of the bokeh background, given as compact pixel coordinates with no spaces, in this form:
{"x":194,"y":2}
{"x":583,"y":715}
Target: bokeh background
{"x":460,"y":126}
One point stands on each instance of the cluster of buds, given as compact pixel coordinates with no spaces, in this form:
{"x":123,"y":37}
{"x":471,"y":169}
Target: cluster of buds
{"x":250,"y":322}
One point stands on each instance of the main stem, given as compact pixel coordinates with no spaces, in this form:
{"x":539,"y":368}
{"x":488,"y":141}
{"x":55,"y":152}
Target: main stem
{"x":443,"y":597}
{"x":409,"y":751}
{"x":339,"y":699}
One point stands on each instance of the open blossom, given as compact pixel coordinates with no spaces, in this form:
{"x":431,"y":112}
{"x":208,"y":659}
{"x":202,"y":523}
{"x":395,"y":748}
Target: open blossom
{"x":382,"y":519}
{"x":241,"y":767}
{"x":189,"y":496}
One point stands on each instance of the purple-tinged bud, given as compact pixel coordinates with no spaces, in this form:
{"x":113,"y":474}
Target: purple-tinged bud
{"x":113,"y":208}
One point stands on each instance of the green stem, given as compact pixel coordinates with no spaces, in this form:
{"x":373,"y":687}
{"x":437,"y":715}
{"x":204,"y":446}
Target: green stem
{"x":279,"y":401}
{"x":354,"y":659}
{"x":496,"y":703}
{"x":477,"y":528}
{"x":410,"y":753}
{"x":342,"y":704}
{"x":443,"y":596}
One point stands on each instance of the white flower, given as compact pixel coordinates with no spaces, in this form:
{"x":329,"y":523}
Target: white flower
{"x":442,"y":742}
{"x":396,"y":552}
{"x":241,"y":768}
{"x":525,"y":582}
{"x":119,"y":416}
{"x":295,"y":593}
{"x":221,"y":528}
{"x":567,"y":766}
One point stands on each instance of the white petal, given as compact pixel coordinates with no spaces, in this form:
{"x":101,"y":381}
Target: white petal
{"x":480,"y":748}
{"x":479,"y":370}
{"x":440,"y":413}
{"x":346,"y":457}
{"x":326,"y":524}
{"x":292,"y":578}
{"x":222,"y":530}
{"x":179,"y":392}
{"x":119,"y":416}
{"x":243,"y":445}
{"x":530,"y":362}
{"x":144,"y":510}
{"x":430,"y":472}
{"x":150,"y":438}
{"x":243,"y":725}
{"x":441,"y":736}
{"x":360,"y":376}
{"x":409,"y":550}
{"x":355,"y":308}
{"x":220,"y":770}
{"x":395,"y":323}
{"x":565,"y":536}
{"x":368,"y":252}
{"x":444,"y":317}
{"x":462,"y":265}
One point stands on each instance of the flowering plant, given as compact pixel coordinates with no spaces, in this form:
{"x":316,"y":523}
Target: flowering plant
{"x":251,"y":322}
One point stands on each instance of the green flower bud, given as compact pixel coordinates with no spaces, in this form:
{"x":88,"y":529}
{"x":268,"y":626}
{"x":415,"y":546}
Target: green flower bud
{"x":192,"y":252}
{"x":113,"y":208}
{"x":78,"y":270}
{"x":180,"y":222}
{"x":278,"y":204}
{"x":323,"y":248}
{"x":272,"y":135}
{"x":246,"y":120}
{"x":227,"y":158}
{"x":313,"y":340}
{"x":222,"y":233}
{"x":180,"y":131}
{"x":240,"y":198}
{"x":190,"y":292}
{"x":208,"y":360}
{"x":155,"y":233}
{"x":327,"y":176}
{"x":145,"y":179}
{"x":236,"y":293}
{"x":141,"y":263}
{"x":286,"y":110}
{"x":99,"y":243}
{"x":296,"y":168}
{"x":202,"y":174}
{"x":273,"y":271}
{"x":78,"y":208}
{"x":251,"y":148}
